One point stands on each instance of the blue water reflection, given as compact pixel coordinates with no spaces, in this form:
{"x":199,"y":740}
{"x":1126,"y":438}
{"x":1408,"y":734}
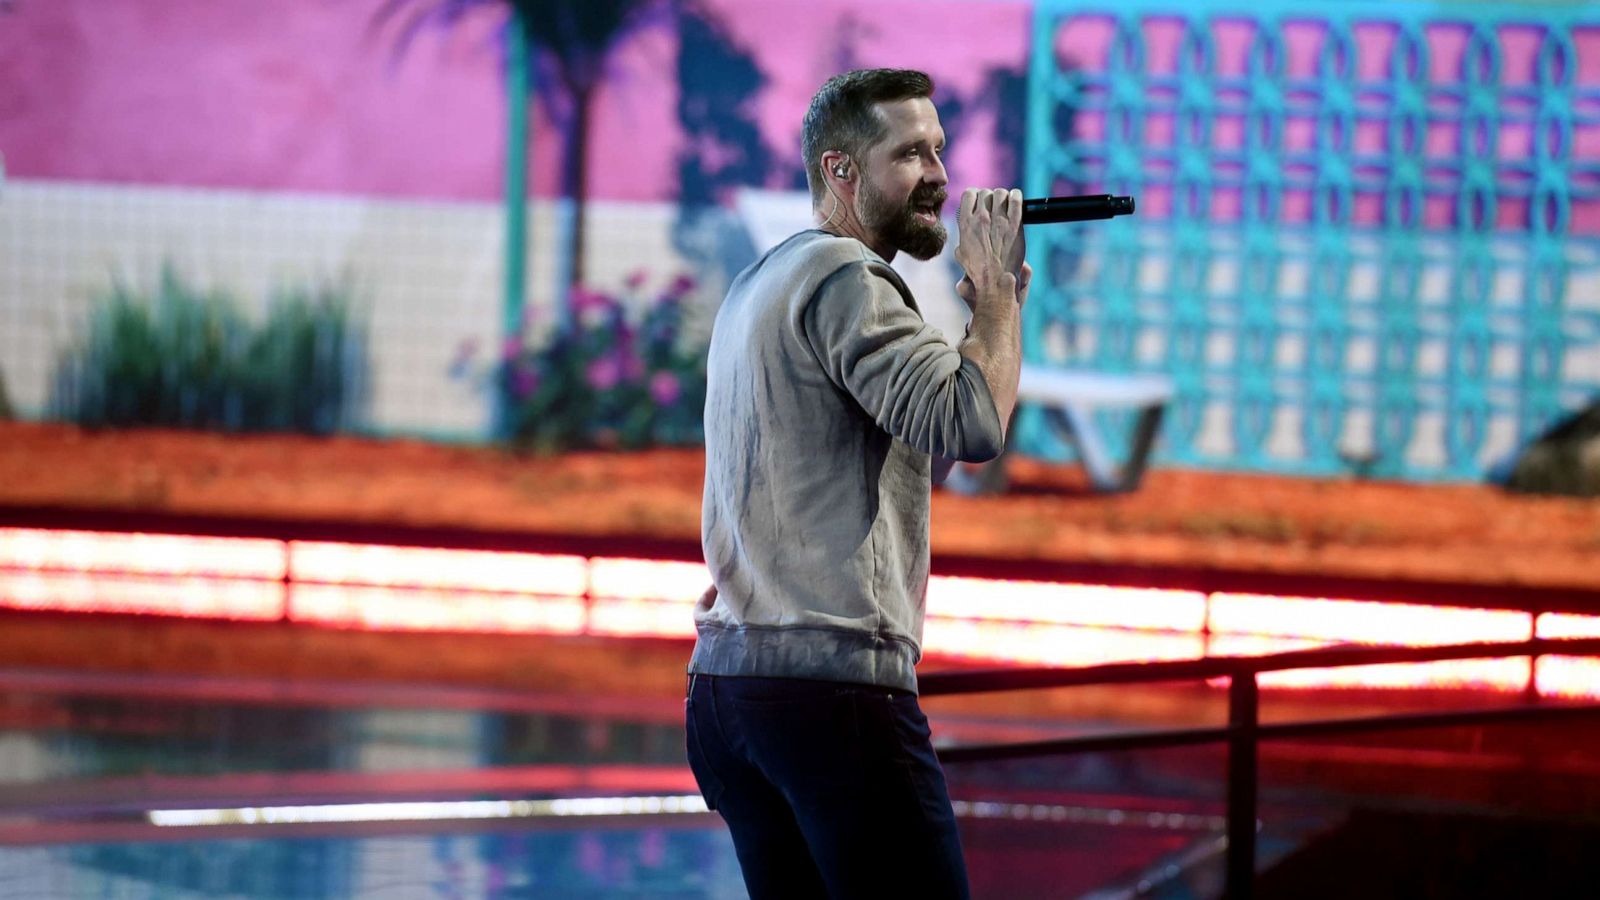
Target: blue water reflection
{"x":643,"y":862}
{"x":45,"y":737}
{"x":83,"y":764}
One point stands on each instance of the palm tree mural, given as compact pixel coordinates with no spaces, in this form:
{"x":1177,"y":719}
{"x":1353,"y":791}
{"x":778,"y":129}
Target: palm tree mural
{"x":562,"y":50}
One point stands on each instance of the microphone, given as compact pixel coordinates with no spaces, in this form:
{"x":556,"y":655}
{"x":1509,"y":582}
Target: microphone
{"x":1044,"y":210}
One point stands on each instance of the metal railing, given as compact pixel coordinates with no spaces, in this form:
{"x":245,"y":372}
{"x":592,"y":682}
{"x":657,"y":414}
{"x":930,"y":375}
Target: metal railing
{"x":1244,"y":731}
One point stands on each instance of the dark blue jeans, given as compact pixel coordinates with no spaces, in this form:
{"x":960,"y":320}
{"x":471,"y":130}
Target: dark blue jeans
{"x":830,"y":789}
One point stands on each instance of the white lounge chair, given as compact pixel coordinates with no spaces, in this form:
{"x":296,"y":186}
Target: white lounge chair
{"x":1069,"y":398}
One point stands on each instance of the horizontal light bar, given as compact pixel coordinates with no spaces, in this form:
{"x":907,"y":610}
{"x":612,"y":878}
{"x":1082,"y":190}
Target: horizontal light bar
{"x":421,"y":588}
{"x":640,"y":618}
{"x":1066,"y":604}
{"x":1566,"y":625}
{"x":1509,"y":673}
{"x":1094,"y":815}
{"x":1259,"y":644}
{"x":1506,"y":674}
{"x":647,"y":579}
{"x":222,"y":598}
{"x":1364,"y":621}
{"x":1567,"y":676}
{"x":141,"y":554}
{"x":676,"y":804}
{"x":421,"y":609}
{"x":430,"y":567}
{"x":1055,"y":645}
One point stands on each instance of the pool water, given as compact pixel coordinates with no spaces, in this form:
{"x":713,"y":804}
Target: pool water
{"x":115,"y":786}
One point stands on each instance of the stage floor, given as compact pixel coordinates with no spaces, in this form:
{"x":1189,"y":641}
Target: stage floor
{"x":1178,"y":521}
{"x":110,"y":718}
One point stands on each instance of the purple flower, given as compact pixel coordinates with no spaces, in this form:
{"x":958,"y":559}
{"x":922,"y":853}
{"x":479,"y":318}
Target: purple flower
{"x":635,"y":280}
{"x":592,"y":309}
{"x":631,"y":365}
{"x":512,"y":348}
{"x":664,"y":388}
{"x":581,"y":298}
{"x":604,"y":373}
{"x":523,"y":382}
{"x":622,"y":333}
{"x":680,"y":288}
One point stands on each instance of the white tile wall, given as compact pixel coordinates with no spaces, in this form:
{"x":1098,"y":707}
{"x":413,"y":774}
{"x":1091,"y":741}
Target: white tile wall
{"x":427,"y":274}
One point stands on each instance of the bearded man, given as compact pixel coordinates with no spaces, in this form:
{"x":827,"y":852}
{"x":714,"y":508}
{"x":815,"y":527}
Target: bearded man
{"x":831,"y":408}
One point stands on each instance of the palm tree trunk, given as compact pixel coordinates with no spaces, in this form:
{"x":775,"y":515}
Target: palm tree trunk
{"x":519,"y":90}
{"x":576,"y":179}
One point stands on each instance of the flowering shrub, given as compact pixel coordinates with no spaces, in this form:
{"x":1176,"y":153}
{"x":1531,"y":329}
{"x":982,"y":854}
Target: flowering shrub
{"x":602,"y":380}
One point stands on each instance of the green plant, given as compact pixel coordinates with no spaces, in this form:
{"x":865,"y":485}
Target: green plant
{"x":604,"y":380}
{"x":184,"y":357}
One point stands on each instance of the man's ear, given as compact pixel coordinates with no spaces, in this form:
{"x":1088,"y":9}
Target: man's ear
{"x":836,"y":163}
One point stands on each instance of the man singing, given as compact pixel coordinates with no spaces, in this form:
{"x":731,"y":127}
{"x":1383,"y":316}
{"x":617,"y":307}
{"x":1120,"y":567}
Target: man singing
{"x":831,"y":408}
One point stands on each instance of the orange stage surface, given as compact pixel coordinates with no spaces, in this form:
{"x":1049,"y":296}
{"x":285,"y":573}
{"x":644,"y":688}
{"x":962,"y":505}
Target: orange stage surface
{"x":1187,"y":521}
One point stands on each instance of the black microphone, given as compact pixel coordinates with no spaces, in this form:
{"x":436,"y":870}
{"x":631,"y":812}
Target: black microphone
{"x":1043,"y":210}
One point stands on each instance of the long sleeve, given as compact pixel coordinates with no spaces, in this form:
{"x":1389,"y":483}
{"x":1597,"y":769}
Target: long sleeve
{"x":900,"y":370}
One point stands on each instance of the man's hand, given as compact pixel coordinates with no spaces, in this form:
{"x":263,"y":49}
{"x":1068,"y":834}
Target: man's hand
{"x":991,"y":247}
{"x":968,"y":293}
{"x":996,"y":282}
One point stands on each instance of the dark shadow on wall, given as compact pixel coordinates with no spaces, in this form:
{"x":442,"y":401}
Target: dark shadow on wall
{"x":718,"y":82}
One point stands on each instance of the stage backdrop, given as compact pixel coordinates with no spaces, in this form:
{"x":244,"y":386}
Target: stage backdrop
{"x":1366,"y":236}
{"x":1369,"y":232}
{"x":157,"y":151}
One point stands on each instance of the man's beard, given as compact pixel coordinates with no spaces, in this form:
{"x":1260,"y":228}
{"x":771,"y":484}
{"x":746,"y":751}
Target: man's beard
{"x":897,"y":225}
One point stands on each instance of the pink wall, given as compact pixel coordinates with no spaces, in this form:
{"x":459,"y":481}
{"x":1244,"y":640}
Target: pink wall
{"x":799,"y":43}
{"x":233,"y":93}
{"x":301,"y":95}
{"x":304,"y":95}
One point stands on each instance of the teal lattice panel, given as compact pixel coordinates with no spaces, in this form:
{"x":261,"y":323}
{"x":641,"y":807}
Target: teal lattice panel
{"x":1368,"y":233}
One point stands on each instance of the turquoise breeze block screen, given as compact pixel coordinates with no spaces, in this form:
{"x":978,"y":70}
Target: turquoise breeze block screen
{"x":1368,"y":235}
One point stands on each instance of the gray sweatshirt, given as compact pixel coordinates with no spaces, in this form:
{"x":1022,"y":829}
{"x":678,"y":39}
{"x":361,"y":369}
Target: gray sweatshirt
{"x":827,"y":394}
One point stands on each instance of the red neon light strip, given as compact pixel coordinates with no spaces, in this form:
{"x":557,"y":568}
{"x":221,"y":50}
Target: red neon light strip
{"x":1509,"y":674}
{"x":1259,"y":644}
{"x":222,"y":598}
{"x":1567,"y":676}
{"x":1053,"y":645}
{"x":428,"y":567}
{"x":1567,"y":625}
{"x":141,"y":554}
{"x":427,"y":609}
{"x":640,"y":618}
{"x":1364,"y":621}
{"x":368,"y":586}
{"x":647,"y":579}
{"x":1066,"y":604}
